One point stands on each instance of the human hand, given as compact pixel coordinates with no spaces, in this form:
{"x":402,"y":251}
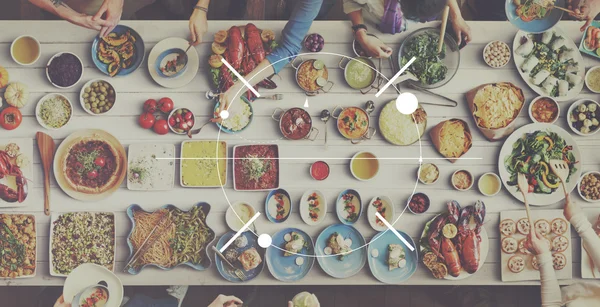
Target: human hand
{"x":198,"y":26}
{"x":290,"y":304}
{"x":373,"y":46}
{"x":87,"y":21}
{"x":113,"y":10}
{"x":571,"y":208}
{"x":536,"y":243}
{"x":461,"y":28}
{"x":584,"y":10}
{"x":60,"y":302}
{"x":226,"y":301}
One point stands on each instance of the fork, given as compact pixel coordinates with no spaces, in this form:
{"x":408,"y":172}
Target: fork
{"x":236,"y":271}
{"x":272,"y":97}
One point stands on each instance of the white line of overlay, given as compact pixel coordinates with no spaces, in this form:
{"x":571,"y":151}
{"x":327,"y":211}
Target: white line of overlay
{"x":381,"y":218}
{"x":235,"y":236}
{"x":240,"y":77}
{"x":309,"y":158}
{"x":395,"y":77}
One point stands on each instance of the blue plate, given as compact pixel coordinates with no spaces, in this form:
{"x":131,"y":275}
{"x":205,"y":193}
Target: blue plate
{"x":162,"y":56}
{"x":227,"y":130}
{"x":379,"y":266}
{"x":339,"y":207}
{"x":536,"y":25}
{"x":138,"y":57}
{"x":285,"y":268}
{"x":287,"y":207}
{"x":226,"y":271}
{"x":205,"y":262}
{"x":352,"y":263}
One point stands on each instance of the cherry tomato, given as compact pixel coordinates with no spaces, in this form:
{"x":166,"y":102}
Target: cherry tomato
{"x":165,"y":105}
{"x":100,"y":161}
{"x":161,"y":127}
{"x":10,"y":118}
{"x":146,"y":120}
{"x":188,"y":116}
{"x":530,"y":190}
{"x":150,"y":106}
{"x":92,"y":174}
{"x":172,"y":121}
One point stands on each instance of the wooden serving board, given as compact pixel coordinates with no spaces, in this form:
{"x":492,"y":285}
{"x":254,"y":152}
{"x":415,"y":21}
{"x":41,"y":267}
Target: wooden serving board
{"x":587,"y":271}
{"x":529,"y":273}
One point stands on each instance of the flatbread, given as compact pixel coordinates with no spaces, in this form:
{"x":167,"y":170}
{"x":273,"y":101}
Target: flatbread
{"x":508,"y":227}
{"x":542,"y":227}
{"x":523,"y":226}
{"x":452,"y":138}
{"x":516,"y":264}
{"x":559,"y":226}
{"x":559,"y":261}
{"x":509,"y":245}
{"x":560,"y":244}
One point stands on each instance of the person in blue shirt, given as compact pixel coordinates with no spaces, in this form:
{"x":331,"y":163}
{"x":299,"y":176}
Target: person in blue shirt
{"x":290,"y":44}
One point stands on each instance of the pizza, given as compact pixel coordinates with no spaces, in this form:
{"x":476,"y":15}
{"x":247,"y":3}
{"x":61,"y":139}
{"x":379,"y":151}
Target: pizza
{"x":559,"y":226}
{"x":560,"y":244}
{"x":522,"y":248}
{"x":508,"y":227}
{"x":559,"y":261}
{"x":542,"y":227}
{"x":534,"y":262}
{"x":91,"y":165}
{"x":509,"y":245}
{"x":516,"y":264}
{"x":523,"y":226}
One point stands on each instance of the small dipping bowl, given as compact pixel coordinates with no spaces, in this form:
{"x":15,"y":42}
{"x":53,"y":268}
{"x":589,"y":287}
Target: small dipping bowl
{"x":170,"y":55}
{"x":492,"y":180}
{"x":57,"y":56}
{"x":36,"y":49}
{"x":458,"y":173}
{"x":364,"y":166}
{"x":319,"y":170}
{"x":90,"y":293}
{"x":424,"y":169}
{"x":541,"y":99}
{"x":415,"y":203}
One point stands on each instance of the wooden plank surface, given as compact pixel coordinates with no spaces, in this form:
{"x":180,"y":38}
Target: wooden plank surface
{"x":396,"y":178}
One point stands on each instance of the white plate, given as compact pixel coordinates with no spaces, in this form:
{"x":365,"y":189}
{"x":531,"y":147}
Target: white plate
{"x":164,"y":169}
{"x":304,"y":207}
{"x":190,"y":71}
{"x":538,"y":199}
{"x":529,"y":273}
{"x":26,"y":149}
{"x":389,"y":211}
{"x":89,"y":274}
{"x":573,"y":92}
{"x":586,"y":262}
{"x":53,"y":218}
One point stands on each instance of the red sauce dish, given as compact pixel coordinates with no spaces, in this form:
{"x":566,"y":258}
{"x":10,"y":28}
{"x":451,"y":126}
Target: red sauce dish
{"x":419,"y":203}
{"x":319,"y":170}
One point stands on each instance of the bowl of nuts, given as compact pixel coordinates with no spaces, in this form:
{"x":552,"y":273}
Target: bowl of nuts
{"x":97,"y":97}
{"x":589,"y":187}
{"x":496,"y":54}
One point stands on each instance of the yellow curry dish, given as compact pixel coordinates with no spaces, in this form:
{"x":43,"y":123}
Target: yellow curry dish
{"x":203,"y":163}
{"x":353,"y":123}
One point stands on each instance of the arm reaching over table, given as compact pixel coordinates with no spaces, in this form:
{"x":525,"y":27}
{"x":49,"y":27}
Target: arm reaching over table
{"x":591,"y":241}
{"x":550,"y":290}
{"x":584,"y":10}
{"x":60,"y":9}
{"x":198,"y":24}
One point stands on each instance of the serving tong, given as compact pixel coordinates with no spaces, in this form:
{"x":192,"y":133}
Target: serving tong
{"x":239,"y":273}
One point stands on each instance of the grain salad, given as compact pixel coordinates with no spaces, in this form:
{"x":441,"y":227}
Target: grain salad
{"x":239,"y":118}
{"x":82,"y":237}
{"x":55,"y":111}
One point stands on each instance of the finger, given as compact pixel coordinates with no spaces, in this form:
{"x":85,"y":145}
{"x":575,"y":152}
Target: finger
{"x":100,"y":12}
{"x":459,"y":37}
{"x":234,"y":299}
{"x":193,"y":37}
{"x":290,"y":304}
{"x":587,"y":23}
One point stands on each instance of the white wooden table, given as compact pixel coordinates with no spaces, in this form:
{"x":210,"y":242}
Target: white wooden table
{"x":396,"y":178}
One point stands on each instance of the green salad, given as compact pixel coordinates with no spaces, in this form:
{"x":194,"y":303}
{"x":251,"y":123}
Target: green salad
{"x":531,"y":155}
{"x":428,"y":66}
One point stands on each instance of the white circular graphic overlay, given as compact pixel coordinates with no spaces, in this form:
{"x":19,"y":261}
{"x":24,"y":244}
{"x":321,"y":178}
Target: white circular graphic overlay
{"x":264,"y":240}
{"x":407,"y":103}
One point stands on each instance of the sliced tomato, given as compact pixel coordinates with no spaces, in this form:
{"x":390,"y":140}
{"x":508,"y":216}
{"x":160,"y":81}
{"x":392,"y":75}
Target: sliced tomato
{"x":100,"y":161}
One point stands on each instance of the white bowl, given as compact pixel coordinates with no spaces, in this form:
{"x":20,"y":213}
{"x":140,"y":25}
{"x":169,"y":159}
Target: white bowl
{"x":173,"y":112}
{"x":579,"y":187}
{"x":586,"y":78}
{"x":419,"y":174}
{"x":39,"y":50}
{"x":57,"y":55}
{"x":509,"y":54}
{"x":232,"y":219}
{"x":571,"y":108}
{"x":470,"y":185}
{"x":39,"y":105}
{"x":82,"y":91}
{"x":374,"y":157}
{"x":497,"y":178}
{"x":531,"y":106}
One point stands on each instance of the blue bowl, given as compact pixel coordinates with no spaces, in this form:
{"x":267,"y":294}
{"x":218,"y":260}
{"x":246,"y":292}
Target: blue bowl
{"x":162,"y":56}
{"x":285,"y":268}
{"x":339,"y":207}
{"x":352,"y":263}
{"x":138,"y":57}
{"x":289,"y":210}
{"x":536,"y":25}
{"x":227,"y":130}
{"x":379,"y":266}
{"x":226,"y":271}
{"x":203,"y":265}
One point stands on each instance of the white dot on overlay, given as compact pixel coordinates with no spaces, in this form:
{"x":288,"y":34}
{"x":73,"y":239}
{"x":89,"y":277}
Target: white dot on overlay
{"x":224,"y":114}
{"x":264,"y":240}
{"x":407,"y":103}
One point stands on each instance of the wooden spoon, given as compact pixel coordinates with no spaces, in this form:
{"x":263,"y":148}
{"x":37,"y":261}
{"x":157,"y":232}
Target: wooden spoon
{"x":524,"y":187}
{"x":443,"y":28}
{"x":560,"y":168}
{"x":46,"y":147}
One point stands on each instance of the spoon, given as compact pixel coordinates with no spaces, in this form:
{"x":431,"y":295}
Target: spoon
{"x":325,"y":115}
{"x":369,"y":107}
{"x":191,"y":132}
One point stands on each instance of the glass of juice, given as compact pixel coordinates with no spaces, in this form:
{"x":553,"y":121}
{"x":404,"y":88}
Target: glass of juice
{"x":25,"y":50}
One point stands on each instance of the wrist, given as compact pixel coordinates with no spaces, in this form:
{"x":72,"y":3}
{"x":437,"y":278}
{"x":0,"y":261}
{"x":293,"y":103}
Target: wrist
{"x":360,"y":34}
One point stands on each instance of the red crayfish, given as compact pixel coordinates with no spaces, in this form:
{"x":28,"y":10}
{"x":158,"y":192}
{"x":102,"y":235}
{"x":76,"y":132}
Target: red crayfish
{"x":235,"y":48}
{"x":441,"y":246}
{"x":468,"y":239}
{"x":255,"y":43}
{"x":7,"y":168}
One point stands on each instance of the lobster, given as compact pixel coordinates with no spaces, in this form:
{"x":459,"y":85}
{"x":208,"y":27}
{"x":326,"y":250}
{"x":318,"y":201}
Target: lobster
{"x":8,"y":169}
{"x":451,"y":257}
{"x":225,"y":79}
{"x":235,"y":47}
{"x":255,"y":43}
{"x":468,"y":239}
{"x":248,"y":63}
{"x":435,"y":228}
